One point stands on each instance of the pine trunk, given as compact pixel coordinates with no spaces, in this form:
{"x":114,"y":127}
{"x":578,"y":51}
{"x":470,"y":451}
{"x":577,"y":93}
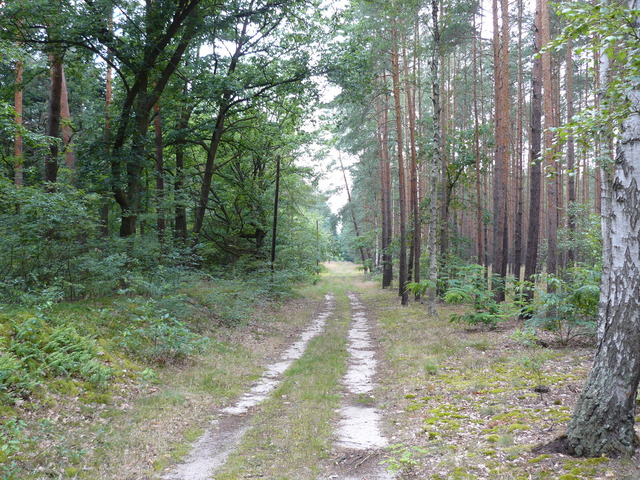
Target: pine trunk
{"x":500,"y":191}
{"x":571,"y":186}
{"x":535,"y":186}
{"x":395,"y":77}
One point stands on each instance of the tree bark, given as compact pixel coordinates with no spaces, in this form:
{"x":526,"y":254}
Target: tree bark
{"x":395,"y":78}
{"x":476,"y":146}
{"x":17,"y":142}
{"x":500,"y":192}
{"x":413,"y":169}
{"x":67,"y":131}
{"x":161,"y":221}
{"x":535,"y":175}
{"x":604,"y":416}
{"x":276,"y":204}
{"x":53,"y":120}
{"x":551,"y":165}
{"x":434,"y":162}
{"x":518,"y":164}
{"x":571,"y":185}
{"x":385,"y":187}
{"x":181,"y":231}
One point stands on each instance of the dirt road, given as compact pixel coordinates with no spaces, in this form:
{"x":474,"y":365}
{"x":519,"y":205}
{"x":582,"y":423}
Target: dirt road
{"x":356,"y":443}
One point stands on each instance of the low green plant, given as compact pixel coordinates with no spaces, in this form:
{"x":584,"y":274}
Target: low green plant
{"x":15,"y":381}
{"x":12,"y":439}
{"x":569,"y":306}
{"x":36,"y":350}
{"x":162,"y":339}
{"x":470,"y":286}
{"x":403,"y":457}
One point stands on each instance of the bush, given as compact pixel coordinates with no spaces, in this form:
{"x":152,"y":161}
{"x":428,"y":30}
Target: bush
{"x":569,"y":307}
{"x":158,"y":333}
{"x":470,"y":286}
{"x":162,"y":340}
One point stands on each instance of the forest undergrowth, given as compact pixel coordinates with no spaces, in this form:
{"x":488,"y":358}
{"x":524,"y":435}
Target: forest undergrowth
{"x":122,"y":386}
{"x":467,"y":402}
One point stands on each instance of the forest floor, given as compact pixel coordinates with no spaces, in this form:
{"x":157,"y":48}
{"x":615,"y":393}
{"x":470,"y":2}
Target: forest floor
{"x":339,"y":383}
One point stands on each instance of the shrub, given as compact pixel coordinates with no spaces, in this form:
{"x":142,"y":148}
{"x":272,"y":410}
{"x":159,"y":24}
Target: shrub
{"x":569,"y":307}
{"x":162,"y":340}
{"x":158,"y":333}
{"x":470,"y":286}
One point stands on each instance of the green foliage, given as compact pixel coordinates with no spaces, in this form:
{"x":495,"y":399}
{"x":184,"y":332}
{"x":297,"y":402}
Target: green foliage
{"x":586,"y":237}
{"x":57,"y":351}
{"x":35,"y":350}
{"x":469,"y":285}
{"x":569,"y":307}
{"x":403,"y":457}
{"x":158,"y":335}
{"x":12,"y":440}
{"x":606,"y":29}
{"x":15,"y":380}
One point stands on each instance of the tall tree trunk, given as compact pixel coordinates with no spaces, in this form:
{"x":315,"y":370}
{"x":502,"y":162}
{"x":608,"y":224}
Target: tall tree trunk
{"x":53,"y":120}
{"x":385,"y":187}
{"x":161,"y":221}
{"x":434,"y":162}
{"x":604,"y":416}
{"x":17,"y":143}
{"x":519,"y":184}
{"x":444,"y":179}
{"x":108,"y":99}
{"x":503,"y":127}
{"x":413,"y":169}
{"x":535,"y":169}
{"x":276,"y":205}
{"x":67,"y":131}
{"x":476,"y":146}
{"x":216,"y":138}
{"x":180,"y":231}
{"x":571,"y":186}
{"x":395,"y":78}
{"x":550,"y":161}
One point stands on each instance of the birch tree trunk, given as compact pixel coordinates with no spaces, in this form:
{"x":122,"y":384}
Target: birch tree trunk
{"x":433,"y":167}
{"x":603,"y":419}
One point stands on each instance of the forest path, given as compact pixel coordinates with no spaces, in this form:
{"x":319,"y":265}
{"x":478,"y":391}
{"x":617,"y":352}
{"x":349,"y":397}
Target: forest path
{"x":348,"y":433}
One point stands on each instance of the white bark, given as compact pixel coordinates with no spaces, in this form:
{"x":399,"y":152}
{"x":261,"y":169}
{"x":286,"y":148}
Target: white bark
{"x":603,"y":420}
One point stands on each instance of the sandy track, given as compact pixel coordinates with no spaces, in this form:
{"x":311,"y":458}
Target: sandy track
{"x":359,"y":437}
{"x":358,"y":440}
{"x":223,"y":435}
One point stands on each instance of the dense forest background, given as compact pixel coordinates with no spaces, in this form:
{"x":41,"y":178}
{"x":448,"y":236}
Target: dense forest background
{"x":173,"y":134}
{"x":165,"y":157}
{"x":143,"y":138}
